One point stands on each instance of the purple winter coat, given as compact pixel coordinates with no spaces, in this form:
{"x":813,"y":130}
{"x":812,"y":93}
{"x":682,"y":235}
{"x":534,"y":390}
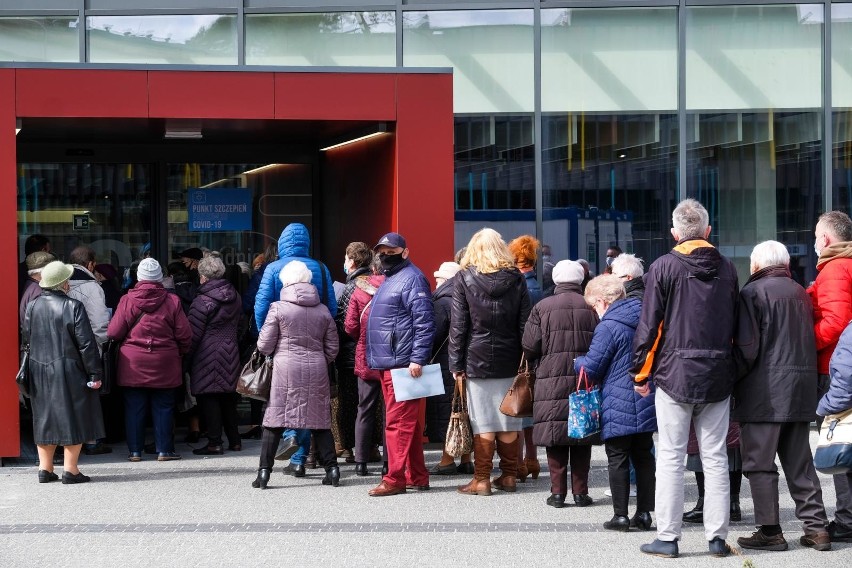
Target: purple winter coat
{"x":301,"y":333}
{"x":150,"y":355}
{"x":214,"y":317}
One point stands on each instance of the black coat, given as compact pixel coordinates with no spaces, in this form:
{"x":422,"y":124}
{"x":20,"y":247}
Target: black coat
{"x":487,"y":323}
{"x":214,"y":316}
{"x":63,"y":357}
{"x":560,"y":328}
{"x":438,"y":408}
{"x":684,"y":341}
{"x":775,"y":350}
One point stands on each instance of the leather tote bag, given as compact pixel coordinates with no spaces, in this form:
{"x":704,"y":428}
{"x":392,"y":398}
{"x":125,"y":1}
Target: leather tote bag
{"x":518,"y":401}
{"x":833,"y":453}
{"x":256,"y":377}
{"x":459,"y":439}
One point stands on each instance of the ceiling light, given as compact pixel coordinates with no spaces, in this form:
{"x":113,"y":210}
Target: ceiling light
{"x":371,"y":132}
{"x":261,"y":169}
{"x":183,"y":130}
{"x":17,"y":126}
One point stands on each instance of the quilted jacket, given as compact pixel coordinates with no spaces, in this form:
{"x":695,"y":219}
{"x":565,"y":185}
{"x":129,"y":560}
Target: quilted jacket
{"x":839,"y":395}
{"x":831,"y":294}
{"x":214,"y":317}
{"x":356,"y":323}
{"x":401,"y":323}
{"x":624,"y":412}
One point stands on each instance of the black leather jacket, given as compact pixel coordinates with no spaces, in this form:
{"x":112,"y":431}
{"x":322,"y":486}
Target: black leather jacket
{"x":487,"y":323}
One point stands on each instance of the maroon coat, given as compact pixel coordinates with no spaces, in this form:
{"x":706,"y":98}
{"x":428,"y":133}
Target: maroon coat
{"x":214,"y":316}
{"x":356,"y":323}
{"x":150,"y":355}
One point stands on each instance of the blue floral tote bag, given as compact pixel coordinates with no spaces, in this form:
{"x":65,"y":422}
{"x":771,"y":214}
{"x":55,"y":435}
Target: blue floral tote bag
{"x":584,"y":409}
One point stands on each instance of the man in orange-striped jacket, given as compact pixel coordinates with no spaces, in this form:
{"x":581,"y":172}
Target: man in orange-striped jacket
{"x":684,"y":343}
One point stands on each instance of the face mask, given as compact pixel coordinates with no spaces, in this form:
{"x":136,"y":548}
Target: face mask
{"x":390,"y":260}
{"x":346,"y":268}
{"x":817,"y":250}
{"x":609,"y":260}
{"x":545,"y":257}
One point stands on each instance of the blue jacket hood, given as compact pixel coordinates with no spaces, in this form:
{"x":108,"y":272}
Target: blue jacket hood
{"x":294,"y":241}
{"x":624,"y":311}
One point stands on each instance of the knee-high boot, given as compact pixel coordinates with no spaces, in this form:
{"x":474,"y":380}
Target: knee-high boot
{"x":483,"y":455}
{"x":508,"y":453}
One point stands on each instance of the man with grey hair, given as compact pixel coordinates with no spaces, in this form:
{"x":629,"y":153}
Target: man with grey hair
{"x":776,"y":398}
{"x":684,"y":342}
{"x":831,"y":294}
{"x":629,"y":268}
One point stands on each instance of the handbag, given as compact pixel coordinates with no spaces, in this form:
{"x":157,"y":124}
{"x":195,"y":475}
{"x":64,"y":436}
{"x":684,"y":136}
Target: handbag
{"x":109,"y":358}
{"x":23,"y":376}
{"x":833,"y":453}
{"x":584,"y":409}
{"x":518,"y":401}
{"x":255,"y":379}
{"x":459,"y":439}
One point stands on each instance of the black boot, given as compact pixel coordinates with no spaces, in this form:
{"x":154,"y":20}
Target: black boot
{"x":736,"y":513}
{"x":262,"y":478}
{"x":332,"y":476}
{"x":696,"y":515}
{"x":361,"y":469}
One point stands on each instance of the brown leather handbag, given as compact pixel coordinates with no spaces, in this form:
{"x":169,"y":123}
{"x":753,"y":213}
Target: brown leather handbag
{"x":518,"y":402}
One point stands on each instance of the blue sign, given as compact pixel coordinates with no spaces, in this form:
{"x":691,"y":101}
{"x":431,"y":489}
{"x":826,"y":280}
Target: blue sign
{"x":219,"y":210}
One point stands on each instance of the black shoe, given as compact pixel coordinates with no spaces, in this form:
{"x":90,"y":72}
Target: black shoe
{"x":642,"y":521}
{"x":168,"y":456}
{"x":696,"y":515}
{"x":262,"y":479}
{"x":287,"y":448}
{"x":661,"y":548}
{"x":762,"y":541}
{"x":839,"y":533}
{"x":583,"y":500}
{"x":294,"y":469}
{"x":556,"y":500}
{"x":72,"y":478}
{"x":255,"y":433}
{"x":332,"y":476}
{"x":384,"y":468}
{"x":96,"y":449}
{"x":719,"y":548}
{"x":466,"y":468}
{"x":209,"y":451}
{"x":192,"y":437}
{"x":617,"y":523}
{"x":45,"y":476}
{"x":736,"y":513}
{"x":449,"y":469}
{"x":361,"y":469}
{"x":135,"y":456}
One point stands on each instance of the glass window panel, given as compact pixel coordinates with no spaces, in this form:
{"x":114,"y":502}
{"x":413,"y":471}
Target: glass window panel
{"x":331,"y":39}
{"x":491,"y":53}
{"x":608,"y":179}
{"x":759,"y":175}
{"x":609,"y":59}
{"x":744,"y":57}
{"x":841,"y":55}
{"x":52,"y":39}
{"x":176,"y":39}
{"x":842,"y":159}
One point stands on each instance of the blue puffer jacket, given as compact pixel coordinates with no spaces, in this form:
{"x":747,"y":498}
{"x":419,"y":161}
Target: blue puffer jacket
{"x":401,"y":322}
{"x":293,"y":244}
{"x":608,"y":361}
{"x":839,"y":395}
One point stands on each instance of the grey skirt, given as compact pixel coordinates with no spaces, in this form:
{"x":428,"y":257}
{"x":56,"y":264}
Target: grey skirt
{"x":483,"y":404}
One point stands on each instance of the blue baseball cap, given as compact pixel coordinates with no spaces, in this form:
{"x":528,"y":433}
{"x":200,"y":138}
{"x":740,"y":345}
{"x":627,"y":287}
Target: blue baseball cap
{"x":392,"y":240}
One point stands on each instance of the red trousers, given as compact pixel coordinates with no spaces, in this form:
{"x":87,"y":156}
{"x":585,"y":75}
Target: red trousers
{"x":404,"y":439}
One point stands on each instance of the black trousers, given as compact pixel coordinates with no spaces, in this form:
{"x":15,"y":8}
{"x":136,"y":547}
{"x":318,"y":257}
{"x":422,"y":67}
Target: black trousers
{"x":370,"y":407}
{"x":323,"y":444}
{"x":620,"y":451}
{"x":220,"y":410}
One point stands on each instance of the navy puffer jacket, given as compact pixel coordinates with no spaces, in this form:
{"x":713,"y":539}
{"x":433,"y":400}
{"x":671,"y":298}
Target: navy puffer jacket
{"x":214,"y":317}
{"x":401,"y":323}
{"x":608,"y":361}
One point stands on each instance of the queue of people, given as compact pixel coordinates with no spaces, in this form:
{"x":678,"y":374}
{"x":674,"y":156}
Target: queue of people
{"x":727,"y":378}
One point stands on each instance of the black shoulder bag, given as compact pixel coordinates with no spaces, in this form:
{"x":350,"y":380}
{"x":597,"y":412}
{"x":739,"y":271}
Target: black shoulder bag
{"x":23,"y":376}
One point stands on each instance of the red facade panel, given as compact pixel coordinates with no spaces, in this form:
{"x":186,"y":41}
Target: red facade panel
{"x":178,"y":94}
{"x":78,"y":93}
{"x":335,"y":96}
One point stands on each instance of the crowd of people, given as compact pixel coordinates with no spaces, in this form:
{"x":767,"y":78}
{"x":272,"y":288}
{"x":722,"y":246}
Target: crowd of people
{"x":727,"y":378}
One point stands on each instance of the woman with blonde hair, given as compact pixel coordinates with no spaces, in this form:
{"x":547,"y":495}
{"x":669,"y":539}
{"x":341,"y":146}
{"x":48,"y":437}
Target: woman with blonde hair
{"x":490,"y":307}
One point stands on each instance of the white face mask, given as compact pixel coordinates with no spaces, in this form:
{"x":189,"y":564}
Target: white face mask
{"x":816,"y":249}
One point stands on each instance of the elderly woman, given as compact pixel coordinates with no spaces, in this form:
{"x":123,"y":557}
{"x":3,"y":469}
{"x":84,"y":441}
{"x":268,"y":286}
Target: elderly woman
{"x":628,"y":267}
{"x":154,"y":335}
{"x":628,"y":420}
{"x":65,"y":369}
{"x":302,"y":336}
{"x":776,"y":397}
{"x":490,"y":308}
{"x":214,"y":317}
{"x":560,"y":329}
{"x":35,"y":261}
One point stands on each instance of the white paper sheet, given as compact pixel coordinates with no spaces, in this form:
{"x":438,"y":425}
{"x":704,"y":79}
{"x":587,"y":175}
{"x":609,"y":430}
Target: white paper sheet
{"x":406,"y":387}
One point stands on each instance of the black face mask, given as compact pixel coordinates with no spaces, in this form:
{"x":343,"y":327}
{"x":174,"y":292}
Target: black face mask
{"x":389,"y":261}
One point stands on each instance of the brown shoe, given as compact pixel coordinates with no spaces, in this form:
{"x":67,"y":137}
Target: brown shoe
{"x":533,"y":467}
{"x":508,"y":465}
{"x":505,"y":483}
{"x":385,"y":489}
{"x":476,"y":487}
{"x":817,"y":541}
{"x":483,"y":454}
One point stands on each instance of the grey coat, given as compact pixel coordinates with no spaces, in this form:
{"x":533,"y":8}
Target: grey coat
{"x":301,"y":333}
{"x":63,"y":357}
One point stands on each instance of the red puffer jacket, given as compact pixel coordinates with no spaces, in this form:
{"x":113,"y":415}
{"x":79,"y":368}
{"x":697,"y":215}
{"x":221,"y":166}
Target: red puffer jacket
{"x":831,"y":295}
{"x":356,"y":323}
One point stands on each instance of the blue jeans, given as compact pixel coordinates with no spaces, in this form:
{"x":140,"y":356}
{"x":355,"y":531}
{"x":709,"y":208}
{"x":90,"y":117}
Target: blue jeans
{"x":303,"y":438}
{"x":162,"y":404}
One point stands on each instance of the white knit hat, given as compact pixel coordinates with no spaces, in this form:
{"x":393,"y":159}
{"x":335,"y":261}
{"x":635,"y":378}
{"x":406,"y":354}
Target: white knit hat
{"x":447,"y":270}
{"x":568,"y":271}
{"x":149,"y":271}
